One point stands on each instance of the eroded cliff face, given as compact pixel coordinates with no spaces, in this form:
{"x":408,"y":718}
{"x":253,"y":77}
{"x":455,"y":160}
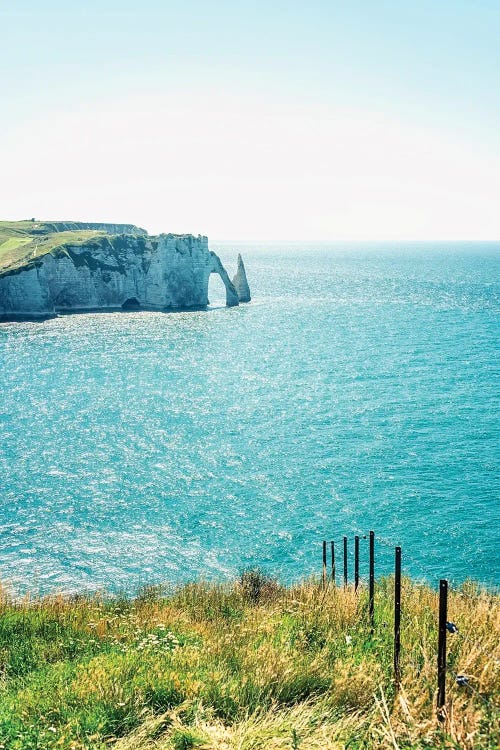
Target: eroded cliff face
{"x":167,"y":272}
{"x":240,"y":282}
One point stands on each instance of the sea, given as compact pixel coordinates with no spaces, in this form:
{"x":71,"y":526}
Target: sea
{"x":357,"y":391}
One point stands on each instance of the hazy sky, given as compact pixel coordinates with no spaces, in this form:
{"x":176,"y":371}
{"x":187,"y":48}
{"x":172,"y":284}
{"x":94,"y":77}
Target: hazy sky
{"x":254,"y":120}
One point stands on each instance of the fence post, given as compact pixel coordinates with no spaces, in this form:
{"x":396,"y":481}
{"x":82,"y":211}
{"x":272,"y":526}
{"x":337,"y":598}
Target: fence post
{"x":443,"y":616}
{"x":397,"y":616}
{"x":332,"y":544}
{"x":324,"y":564}
{"x":345,"y":562}
{"x":356,"y":563}
{"x":371,"y":596}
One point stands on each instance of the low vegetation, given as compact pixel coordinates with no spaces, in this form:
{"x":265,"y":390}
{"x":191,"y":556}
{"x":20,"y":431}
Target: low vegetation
{"x":22,"y":242}
{"x":250,"y":665}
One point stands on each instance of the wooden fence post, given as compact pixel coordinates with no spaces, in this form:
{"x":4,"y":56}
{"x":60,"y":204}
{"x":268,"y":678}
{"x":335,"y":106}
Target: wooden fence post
{"x":397,"y":616}
{"x":443,"y":616}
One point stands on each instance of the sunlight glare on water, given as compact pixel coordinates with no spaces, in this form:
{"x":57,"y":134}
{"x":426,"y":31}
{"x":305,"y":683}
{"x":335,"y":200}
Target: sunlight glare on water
{"x":358,"y":390}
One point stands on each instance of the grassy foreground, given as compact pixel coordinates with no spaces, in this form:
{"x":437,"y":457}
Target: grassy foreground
{"x":246,"y":666}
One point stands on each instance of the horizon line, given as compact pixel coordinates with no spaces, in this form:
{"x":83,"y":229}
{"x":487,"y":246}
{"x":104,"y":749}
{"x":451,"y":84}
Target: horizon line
{"x":323,"y":241}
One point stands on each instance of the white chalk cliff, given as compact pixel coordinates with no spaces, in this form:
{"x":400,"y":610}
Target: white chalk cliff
{"x":240,"y":282}
{"x":167,"y":272}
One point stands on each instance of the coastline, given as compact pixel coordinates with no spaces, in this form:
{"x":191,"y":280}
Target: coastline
{"x":32,"y":318}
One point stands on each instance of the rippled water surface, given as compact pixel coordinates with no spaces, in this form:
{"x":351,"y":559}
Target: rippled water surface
{"x":358,"y":390}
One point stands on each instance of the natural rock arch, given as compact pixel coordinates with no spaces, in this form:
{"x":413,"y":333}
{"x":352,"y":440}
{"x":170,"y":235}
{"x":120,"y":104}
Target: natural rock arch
{"x":217,"y":267}
{"x":129,"y":271}
{"x":216,"y":290}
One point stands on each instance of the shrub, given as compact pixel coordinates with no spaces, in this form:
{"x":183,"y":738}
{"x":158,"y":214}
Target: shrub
{"x":257,"y":586}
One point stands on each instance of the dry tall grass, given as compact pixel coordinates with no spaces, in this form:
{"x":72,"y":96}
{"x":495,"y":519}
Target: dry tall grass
{"x":247,"y":666}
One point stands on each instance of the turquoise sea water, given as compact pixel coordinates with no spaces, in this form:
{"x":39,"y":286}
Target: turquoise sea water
{"x":358,"y":390}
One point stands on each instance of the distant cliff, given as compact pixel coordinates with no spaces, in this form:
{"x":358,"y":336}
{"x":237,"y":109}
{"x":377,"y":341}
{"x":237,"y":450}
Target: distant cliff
{"x":46,"y":227}
{"x":106,"y":271}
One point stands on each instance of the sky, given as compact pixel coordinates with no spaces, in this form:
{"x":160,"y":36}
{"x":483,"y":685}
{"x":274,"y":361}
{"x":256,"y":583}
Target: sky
{"x":306,"y":121}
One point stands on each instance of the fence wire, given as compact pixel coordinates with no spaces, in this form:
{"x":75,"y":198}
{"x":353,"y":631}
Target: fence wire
{"x":461,"y":680}
{"x":455,"y":631}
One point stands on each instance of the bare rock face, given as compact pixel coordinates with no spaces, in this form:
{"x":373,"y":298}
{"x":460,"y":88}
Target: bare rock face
{"x":240,"y":282}
{"x":126,"y":271}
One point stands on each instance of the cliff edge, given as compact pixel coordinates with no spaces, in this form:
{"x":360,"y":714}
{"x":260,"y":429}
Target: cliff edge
{"x":48,"y":268}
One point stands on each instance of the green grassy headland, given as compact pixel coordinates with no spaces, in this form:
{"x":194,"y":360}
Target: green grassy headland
{"x":23,"y":242}
{"x":245,"y":666}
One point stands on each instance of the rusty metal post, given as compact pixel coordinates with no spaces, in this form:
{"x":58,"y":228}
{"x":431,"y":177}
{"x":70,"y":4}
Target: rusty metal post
{"x":397,"y":616}
{"x":345,"y":562}
{"x":324,"y":563}
{"x":371,"y":595}
{"x":356,"y":563}
{"x":443,"y":616}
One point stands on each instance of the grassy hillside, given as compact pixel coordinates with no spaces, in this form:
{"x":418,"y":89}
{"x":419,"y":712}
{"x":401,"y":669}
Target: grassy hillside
{"x":245,"y":666}
{"x":22,"y":242}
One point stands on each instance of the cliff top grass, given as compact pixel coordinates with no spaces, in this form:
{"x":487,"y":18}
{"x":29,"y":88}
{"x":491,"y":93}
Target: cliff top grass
{"x":23,"y":242}
{"x":245,"y":666}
